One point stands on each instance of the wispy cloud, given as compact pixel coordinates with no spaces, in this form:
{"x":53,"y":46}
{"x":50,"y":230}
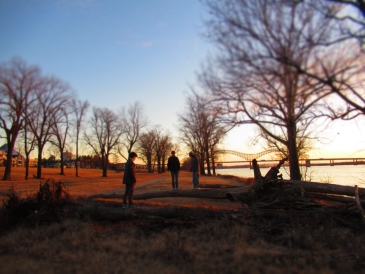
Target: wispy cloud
{"x":147,"y":44}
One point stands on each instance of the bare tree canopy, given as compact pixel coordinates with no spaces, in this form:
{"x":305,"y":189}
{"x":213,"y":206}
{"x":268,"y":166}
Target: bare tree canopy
{"x":50,"y":102}
{"x":257,"y":75}
{"x":146,"y":145}
{"x":201,"y":130}
{"x":60,"y":132}
{"x":18,"y":84}
{"x":349,"y":16}
{"x":104,"y":135}
{"x":30,"y":101}
{"x":162,"y":147}
{"x":79,"y":111}
{"x":132,"y":122}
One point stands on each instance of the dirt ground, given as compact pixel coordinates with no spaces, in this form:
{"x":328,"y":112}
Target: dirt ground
{"x":90,"y":182}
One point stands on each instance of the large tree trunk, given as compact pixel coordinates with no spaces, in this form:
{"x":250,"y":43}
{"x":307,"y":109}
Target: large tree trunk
{"x":62,"y":172}
{"x":39,"y":166}
{"x":9,"y":155}
{"x":293,"y":152}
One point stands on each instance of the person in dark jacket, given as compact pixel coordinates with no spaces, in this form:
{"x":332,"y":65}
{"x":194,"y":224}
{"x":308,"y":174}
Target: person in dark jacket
{"x":129,"y":180}
{"x":194,"y":169}
{"x":173,"y":165}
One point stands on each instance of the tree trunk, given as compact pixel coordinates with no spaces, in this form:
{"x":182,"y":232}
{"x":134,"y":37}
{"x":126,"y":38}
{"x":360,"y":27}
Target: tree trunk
{"x":293,"y":153}
{"x":39,"y":166}
{"x":9,"y":159}
{"x":26,"y":166}
{"x":77,"y":153}
{"x":208,"y":161}
{"x":62,"y":165}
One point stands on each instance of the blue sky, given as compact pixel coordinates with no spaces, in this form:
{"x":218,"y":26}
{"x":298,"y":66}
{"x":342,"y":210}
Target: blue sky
{"x":112,"y":53}
{"x":116,"y":52}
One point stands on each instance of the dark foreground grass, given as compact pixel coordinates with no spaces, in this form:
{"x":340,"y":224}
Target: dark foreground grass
{"x":216,"y":246}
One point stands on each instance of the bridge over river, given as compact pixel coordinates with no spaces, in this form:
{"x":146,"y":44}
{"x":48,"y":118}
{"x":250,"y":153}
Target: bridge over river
{"x":303,"y":162}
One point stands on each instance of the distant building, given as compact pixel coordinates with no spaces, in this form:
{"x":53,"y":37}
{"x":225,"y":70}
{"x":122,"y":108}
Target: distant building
{"x":17,"y":159}
{"x":67,"y":155}
{"x":33,"y":162}
{"x":2,"y":158}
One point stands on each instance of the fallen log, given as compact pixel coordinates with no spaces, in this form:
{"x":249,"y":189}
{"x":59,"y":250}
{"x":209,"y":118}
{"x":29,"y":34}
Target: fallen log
{"x":216,"y":186}
{"x":272,"y":186}
{"x":101,"y":212}
{"x":196,"y":193}
{"x":327,"y":188}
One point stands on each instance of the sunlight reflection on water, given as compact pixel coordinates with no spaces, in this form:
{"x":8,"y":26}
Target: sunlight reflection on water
{"x":338,"y":174}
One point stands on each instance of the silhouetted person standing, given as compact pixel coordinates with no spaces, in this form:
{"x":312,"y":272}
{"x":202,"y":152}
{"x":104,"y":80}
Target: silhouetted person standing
{"x":129,"y":180}
{"x":173,"y":165}
{"x":194,"y":169}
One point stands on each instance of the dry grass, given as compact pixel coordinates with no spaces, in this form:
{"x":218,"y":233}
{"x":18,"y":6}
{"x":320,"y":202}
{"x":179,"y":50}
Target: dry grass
{"x":263,"y":243}
{"x":215,"y":247}
{"x":90,"y":182}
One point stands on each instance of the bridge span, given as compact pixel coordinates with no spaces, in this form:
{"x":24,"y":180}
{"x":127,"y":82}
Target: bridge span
{"x":248,"y":157}
{"x":302,"y":162}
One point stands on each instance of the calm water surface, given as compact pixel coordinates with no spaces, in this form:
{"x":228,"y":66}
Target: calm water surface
{"x":338,"y":174}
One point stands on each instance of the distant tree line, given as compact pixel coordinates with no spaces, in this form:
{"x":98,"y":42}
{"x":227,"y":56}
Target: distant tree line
{"x":39,"y":112}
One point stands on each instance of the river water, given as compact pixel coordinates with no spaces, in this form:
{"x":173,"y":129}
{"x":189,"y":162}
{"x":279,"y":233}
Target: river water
{"x":349,"y":175}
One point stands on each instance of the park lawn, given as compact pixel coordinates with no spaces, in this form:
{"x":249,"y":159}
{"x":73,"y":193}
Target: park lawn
{"x":90,"y":182}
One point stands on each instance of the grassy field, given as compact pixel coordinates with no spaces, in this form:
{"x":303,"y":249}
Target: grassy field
{"x":291,"y":242}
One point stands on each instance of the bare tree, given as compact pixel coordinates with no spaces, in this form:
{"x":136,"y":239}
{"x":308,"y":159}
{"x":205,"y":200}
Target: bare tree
{"x":163,"y":144}
{"x":104,"y":135}
{"x":79,"y":111}
{"x":132,"y":121}
{"x":51,"y":98}
{"x":201,"y":130}
{"x":351,"y":18}
{"x":18,"y":82}
{"x":253,"y":81}
{"x":146,"y":145}
{"x":345,"y":78}
{"x":60,"y":132}
{"x":28,"y":141}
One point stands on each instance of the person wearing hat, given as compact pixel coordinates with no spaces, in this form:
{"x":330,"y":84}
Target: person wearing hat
{"x":129,"y":180}
{"x":173,"y":165}
{"x":194,"y":169}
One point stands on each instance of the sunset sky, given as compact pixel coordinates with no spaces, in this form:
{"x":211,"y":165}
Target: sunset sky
{"x":114,"y":53}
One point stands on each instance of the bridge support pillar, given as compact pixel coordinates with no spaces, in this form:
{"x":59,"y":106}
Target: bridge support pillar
{"x":332,"y":162}
{"x":250,"y":164}
{"x":308,"y":163}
